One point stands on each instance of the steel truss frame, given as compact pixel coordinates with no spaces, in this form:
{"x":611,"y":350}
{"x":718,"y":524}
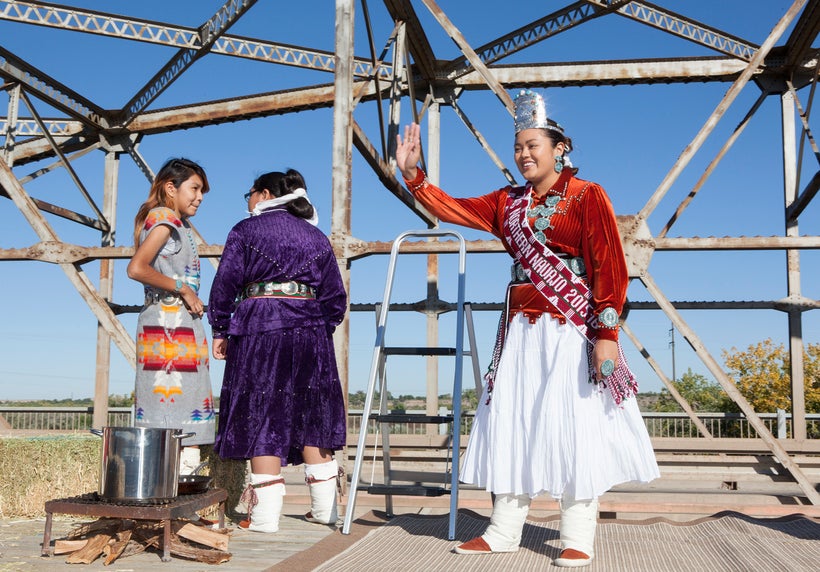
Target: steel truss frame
{"x":413,"y":74}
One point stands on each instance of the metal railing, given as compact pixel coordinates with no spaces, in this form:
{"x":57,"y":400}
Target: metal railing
{"x":657,"y":424}
{"x":60,"y":418}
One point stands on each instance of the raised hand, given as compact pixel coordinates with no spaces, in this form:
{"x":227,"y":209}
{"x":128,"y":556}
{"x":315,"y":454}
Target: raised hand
{"x":408,"y":151}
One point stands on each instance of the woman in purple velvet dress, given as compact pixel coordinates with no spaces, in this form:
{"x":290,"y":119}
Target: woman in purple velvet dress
{"x":276,"y":299}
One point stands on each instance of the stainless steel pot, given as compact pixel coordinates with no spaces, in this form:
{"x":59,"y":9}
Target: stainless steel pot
{"x":139,"y":463}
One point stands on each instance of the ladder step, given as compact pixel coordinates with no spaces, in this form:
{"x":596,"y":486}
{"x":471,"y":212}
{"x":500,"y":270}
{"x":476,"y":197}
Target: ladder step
{"x":407,"y":490}
{"x":419,"y":477}
{"x":411,"y":418}
{"x":419,"y":351}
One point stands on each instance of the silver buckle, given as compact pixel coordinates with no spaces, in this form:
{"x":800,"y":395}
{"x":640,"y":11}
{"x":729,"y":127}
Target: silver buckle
{"x":169,"y":298}
{"x":165,"y":298}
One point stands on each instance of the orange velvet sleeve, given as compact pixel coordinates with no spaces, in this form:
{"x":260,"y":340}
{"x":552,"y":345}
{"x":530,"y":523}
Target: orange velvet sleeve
{"x":604,"y":256}
{"x":480,"y":213}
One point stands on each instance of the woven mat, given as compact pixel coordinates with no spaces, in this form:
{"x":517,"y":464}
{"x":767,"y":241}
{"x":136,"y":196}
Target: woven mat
{"x":728,"y":541}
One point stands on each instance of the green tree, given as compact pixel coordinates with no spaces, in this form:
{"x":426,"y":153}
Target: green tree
{"x":469,"y":400}
{"x":701,"y":393}
{"x":762,"y":375}
{"x":121,"y":400}
{"x":356,"y":400}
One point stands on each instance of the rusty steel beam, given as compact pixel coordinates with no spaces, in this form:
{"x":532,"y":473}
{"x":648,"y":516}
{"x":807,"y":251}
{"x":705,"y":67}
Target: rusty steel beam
{"x":359,"y":248}
{"x":801,"y":202}
{"x":738,"y":243}
{"x":312,"y":97}
{"x":49,"y":252}
{"x":209,"y":113}
{"x":423,"y":57}
{"x":341,"y":170}
{"x":94,"y":22}
{"x":37,"y":149}
{"x":800,"y":41}
{"x":784,"y":305}
{"x":29,"y":128}
{"x":294,"y":56}
{"x":670,"y":386}
{"x":732,"y":391}
{"x":136,"y":29}
{"x":209,"y":32}
{"x":719,"y":111}
{"x":713,"y":164}
{"x":788,"y":108}
{"x":238,"y":109}
{"x":534,"y":32}
{"x":63,"y":213}
{"x":626,"y":72}
{"x":67,"y":165}
{"x":51,"y":91}
{"x":470,"y":54}
{"x":74,"y":272}
{"x":57,"y":164}
{"x":386,"y":176}
{"x":483,"y":142}
{"x":686,"y":28}
{"x":202,"y":114}
{"x":580,"y":12}
{"x":102,"y":370}
{"x":58,"y":252}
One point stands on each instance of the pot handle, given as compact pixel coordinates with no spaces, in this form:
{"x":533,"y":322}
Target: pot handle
{"x":183,"y":435}
{"x":96,"y":432}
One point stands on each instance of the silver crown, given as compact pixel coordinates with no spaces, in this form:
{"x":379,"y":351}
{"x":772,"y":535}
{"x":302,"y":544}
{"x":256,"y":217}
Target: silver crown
{"x":531,"y":113}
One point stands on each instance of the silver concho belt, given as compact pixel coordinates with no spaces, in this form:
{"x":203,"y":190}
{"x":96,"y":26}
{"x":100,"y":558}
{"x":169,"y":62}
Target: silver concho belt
{"x":290,"y":289}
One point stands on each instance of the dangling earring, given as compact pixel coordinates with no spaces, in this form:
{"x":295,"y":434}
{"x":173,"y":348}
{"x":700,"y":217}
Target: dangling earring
{"x":559,"y":163}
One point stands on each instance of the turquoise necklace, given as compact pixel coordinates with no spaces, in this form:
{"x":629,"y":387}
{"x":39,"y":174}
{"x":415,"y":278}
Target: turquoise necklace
{"x":542,"y":215}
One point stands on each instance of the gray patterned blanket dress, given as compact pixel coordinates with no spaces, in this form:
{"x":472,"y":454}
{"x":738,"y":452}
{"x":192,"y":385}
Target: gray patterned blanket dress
{"x":173,"y":383}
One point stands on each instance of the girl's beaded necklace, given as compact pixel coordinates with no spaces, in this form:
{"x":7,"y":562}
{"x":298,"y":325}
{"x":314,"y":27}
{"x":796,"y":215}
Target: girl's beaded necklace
{"x":195,"y":270}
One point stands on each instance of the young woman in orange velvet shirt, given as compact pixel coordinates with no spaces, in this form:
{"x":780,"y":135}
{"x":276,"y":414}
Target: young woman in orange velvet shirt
{"x":558,"y":414}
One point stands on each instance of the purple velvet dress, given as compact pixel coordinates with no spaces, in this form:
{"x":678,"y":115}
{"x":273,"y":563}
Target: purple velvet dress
{"x":281,"y":390}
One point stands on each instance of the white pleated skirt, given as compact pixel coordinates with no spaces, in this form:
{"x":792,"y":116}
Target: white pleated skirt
{"x":547,"y":429}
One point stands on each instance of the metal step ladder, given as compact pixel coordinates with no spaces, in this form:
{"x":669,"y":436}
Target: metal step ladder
{"x":384,"y":419}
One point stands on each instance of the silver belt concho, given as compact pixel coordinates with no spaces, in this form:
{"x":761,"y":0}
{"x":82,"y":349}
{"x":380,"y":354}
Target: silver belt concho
{"x":162,"y":297}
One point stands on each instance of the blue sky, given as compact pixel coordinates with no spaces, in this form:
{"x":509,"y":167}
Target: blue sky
{"x":626,"y":138}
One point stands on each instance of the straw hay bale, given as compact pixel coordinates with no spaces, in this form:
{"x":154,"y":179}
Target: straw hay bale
{"x":37,"y":469}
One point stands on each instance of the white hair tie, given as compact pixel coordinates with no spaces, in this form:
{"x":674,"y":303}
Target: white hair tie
{"x":262,"y":206}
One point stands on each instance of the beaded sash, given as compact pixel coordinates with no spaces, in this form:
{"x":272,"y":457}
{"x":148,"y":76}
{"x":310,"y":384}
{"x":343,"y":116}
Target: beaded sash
{"x":562,"y":288}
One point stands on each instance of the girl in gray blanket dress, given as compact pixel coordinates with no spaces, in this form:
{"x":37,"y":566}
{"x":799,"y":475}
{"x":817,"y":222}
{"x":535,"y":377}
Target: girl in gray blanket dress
{"x":173,"y":384}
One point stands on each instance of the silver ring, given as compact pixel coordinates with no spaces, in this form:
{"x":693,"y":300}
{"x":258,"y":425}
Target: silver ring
{"x":607,"y":367}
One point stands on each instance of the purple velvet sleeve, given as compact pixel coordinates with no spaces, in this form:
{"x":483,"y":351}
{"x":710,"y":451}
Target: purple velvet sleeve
{"x":331,"y":292}
{"x":227,"y":283}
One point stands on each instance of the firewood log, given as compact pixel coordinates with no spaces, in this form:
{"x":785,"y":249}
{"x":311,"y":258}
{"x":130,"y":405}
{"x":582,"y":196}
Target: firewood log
{"x":202,"y":535}
{"x":206,"y":555}
{"x":115,"y":549}
{"x":66,"y":546}
{"x":91,"y":551}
